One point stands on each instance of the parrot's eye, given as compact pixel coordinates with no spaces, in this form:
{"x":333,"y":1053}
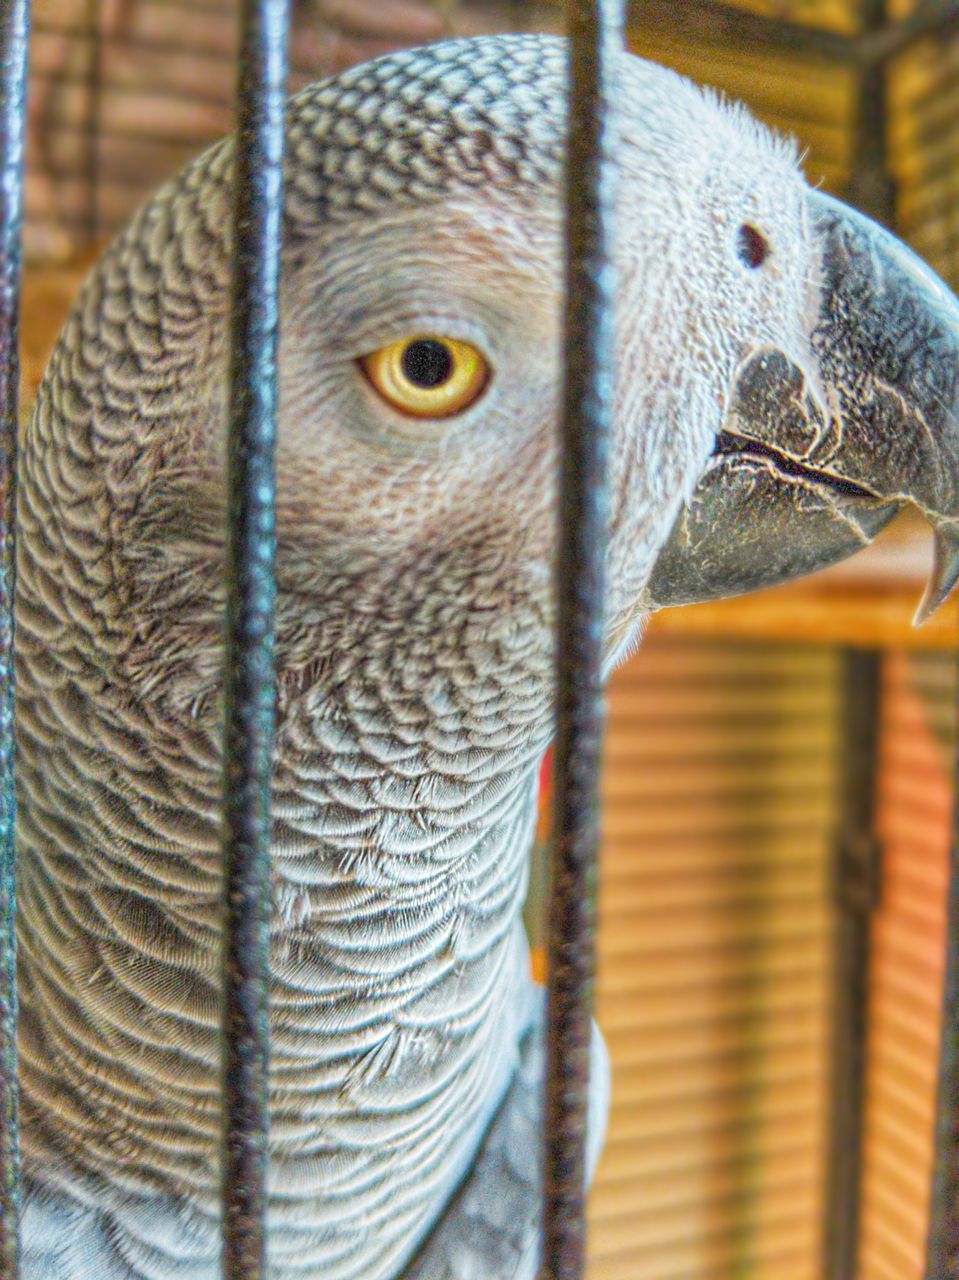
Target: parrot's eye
{"x":427,"y":376}
{"x":752,"y":247}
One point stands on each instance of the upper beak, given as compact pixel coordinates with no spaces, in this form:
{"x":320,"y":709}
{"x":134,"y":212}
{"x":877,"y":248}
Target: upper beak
{"x":803,"y":475}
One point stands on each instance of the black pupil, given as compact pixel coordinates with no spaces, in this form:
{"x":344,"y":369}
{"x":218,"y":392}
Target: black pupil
{"x":753,"y":246}
{"x":427,"y":363}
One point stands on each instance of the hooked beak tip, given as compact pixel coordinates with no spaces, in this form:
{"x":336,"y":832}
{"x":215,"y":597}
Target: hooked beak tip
{"x":945,"y":572}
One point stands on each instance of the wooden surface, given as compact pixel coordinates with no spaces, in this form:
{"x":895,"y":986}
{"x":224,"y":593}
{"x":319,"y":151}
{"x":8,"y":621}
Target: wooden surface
{"x":917,"y":742}
{"x":718,"y":809}
{"x":45,"y":301}
{"x":123,"y":92}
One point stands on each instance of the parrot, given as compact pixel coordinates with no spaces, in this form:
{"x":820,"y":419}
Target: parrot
{"x":786,"y":378}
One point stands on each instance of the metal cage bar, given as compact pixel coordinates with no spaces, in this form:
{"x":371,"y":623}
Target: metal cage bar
{"x":249,"y":660}
{"x":14,"y":28}
{"x":595,"y":30}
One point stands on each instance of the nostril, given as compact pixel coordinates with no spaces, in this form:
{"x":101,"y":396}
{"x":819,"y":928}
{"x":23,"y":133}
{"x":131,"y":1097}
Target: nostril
{"x":752,"y":247}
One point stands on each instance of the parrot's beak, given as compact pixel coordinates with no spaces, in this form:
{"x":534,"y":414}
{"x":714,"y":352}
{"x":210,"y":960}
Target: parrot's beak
{"x":807,"y":470}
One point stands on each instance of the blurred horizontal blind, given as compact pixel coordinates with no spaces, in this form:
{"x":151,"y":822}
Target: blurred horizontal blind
{"x":124,"y":92}
{"x":719,"y":806}
{"x":924,"y":152}
{"x":836,"y":15}
{"x":810,"y":101}
{"x":917,"y":744}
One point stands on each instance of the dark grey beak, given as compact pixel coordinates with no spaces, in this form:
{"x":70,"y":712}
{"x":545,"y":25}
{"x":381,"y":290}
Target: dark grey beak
{"x":792,"y":485}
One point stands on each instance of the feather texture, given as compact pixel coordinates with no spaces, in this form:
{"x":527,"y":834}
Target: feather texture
{"x":414,"y":642}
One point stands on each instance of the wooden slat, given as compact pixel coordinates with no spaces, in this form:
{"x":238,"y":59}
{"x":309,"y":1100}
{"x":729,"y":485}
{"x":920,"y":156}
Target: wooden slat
{"x":718,"y":804}
{"x":836,"y":15}
{"x":915,"y":799}
{"x":802,"y":99}
{"x":718,"y":1076}
{"x":167,"y":76}
{"x":924,"y":149}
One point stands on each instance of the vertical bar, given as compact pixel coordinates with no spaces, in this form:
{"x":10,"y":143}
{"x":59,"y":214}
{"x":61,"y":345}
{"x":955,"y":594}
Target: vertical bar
{"x":871,"y":187}
{"x":925,"y":20}
{"x":249,"y":662}
{"x":942,"y":1245}
{"x":594,"y":28}
{"x":14,"y":28}
{"x":857,"y":883}
{"x":858,"y":855}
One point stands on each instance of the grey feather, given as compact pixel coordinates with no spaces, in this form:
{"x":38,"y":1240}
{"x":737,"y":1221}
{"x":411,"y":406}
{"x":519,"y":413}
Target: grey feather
{"x":415,"y":650}
{"x":490,"y":1227}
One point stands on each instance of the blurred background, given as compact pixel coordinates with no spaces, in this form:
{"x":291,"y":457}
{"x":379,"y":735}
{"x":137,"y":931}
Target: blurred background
{"x":777,"y":793}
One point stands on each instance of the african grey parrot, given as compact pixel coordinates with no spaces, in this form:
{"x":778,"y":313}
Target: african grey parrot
{"x":792,"y":356}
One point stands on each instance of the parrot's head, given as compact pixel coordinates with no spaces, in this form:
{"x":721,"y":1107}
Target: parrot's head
{"x":422,"y":335}
{"x":786,"y":374}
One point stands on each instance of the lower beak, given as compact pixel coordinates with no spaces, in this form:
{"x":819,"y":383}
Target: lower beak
{"x":791,"y":488}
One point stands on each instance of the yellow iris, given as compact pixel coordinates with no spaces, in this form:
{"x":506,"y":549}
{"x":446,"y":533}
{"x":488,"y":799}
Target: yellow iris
{"x":427,"y":376}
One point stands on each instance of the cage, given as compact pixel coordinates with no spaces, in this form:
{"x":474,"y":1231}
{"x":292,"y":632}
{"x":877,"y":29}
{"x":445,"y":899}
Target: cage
{"x":776,"y":946}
